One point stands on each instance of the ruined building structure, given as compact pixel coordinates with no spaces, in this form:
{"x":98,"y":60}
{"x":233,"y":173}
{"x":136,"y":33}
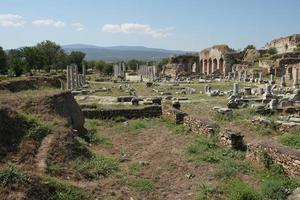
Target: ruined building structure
{"x":217,"y":58}
{"x":182,"y":65}
{"x":284,"y":44}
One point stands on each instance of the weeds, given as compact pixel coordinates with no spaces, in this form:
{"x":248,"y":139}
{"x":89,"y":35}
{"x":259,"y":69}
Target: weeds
{"x":143,"y":185}
{"x":12,"y":175}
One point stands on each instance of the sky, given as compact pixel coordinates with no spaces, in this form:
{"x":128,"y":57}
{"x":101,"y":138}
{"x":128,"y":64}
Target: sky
{"x":171,"y":24}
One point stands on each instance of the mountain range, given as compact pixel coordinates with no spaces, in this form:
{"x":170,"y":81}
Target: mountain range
{"x":119,"y":53}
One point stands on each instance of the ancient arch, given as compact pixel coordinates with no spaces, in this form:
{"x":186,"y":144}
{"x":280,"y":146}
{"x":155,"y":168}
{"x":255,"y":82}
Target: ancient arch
{"x":205,"y":67}
{"x":209,"y":66}
{"x":221,"y":65}
{"x":215,"y":65}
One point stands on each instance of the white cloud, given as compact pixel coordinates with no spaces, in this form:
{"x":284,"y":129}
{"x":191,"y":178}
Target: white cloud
{"x":48,"y":22}
{"x":78,"y":26}
{"x":11,"y":20}
{"x":136,"y":28}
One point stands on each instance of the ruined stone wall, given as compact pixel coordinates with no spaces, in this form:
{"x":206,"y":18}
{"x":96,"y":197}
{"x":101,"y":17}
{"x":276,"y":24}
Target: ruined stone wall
{"x":287,"y":157}
{"x":181,"y":65}
{"x":284,"y":44}
{"x":130,"y":113}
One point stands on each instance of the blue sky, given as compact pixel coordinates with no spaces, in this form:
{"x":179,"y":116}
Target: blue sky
{"x":170,"y":24}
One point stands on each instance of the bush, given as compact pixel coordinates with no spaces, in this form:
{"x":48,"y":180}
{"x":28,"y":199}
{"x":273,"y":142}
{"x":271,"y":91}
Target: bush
{"x":208,"y":191}
{"x":12,"y":175}
{"x":238,"y":190}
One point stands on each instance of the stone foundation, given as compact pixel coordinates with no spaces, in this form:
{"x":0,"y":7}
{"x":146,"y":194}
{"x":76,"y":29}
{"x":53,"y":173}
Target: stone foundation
{"x":129,"y":113}
{"x":288,"y":158}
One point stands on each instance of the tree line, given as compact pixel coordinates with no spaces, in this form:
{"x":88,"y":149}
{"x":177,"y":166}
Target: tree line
{"x":48,"y":55}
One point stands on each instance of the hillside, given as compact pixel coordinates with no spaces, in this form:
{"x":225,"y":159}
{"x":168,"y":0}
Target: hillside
{"x":121,"y":52}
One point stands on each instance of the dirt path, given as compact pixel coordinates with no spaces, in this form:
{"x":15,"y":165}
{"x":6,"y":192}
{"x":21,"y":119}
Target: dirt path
{"x":41,"y":156}
{"x":166,"y":165}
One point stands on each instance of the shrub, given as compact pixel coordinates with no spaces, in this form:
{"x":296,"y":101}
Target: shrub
{"x":238,"y":190}
{"x":12,"y":175}
{"x":208,"y":191}
{"x":35,"y":129}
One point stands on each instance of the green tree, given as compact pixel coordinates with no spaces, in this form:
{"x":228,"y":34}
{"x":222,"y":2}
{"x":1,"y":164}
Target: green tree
{"x":77,"y":58}
{"x":108,"y":69}
{"x":250,"y":46}
{"x":3,"y":61}
{"x":272,"y":51}
{"x":51,"y":53}
{"x":132,"y":64}
{"x":16,"y":61}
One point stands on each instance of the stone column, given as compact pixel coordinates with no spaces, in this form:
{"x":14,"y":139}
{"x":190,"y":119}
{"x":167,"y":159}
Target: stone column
{"x":239,"y":76}
{"x":235,"y":89}
{"x":272,"y":79}
{"x":296,"y":83}
{"x":76,"y":77}
{"x":83,"y":74}
{"x":282,"y":81}
{"x":72,"y":72}
{"x":268,"y":89}
{"x":68,"y":77}
{"x":245,"y":75}
{"x":260,"y":77}
{"x":252,"y":77}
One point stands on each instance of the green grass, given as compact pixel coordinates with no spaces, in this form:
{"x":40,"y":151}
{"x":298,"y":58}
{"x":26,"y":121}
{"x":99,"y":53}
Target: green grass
{"x":143,"y":185}
{"x":12,"y":175}
{"x":134,"y":126}
{"x":97,"y":166}
{"x":291,"y":139}
{"x":275,"y":184}
{"x":35,"y":129}
{"x":203,"y":149}
{"x":230,"y":168}
{"x":93,"y":135}
{"x":264,"y":131}
{"x":209,"y":191}
{"x":134,"y":169}
{"x":238,"y":190}
{"x":60,"y":190}
{"x":175,"y":128}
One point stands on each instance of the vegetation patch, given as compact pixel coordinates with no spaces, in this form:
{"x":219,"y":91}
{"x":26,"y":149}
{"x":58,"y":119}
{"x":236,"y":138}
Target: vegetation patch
{"x":205,"y":149}
{"x":238,"y":190}
{"x":12,"y":175}
{"x":97,"y":166}
{"x":291,"y":139}
{"x":175,"y":128}
{"x":230,"y":168}
{"x":143,"y":185}
{"x":36,"y":130}
{"x":208,"y":191}
{"x":93,"y":136}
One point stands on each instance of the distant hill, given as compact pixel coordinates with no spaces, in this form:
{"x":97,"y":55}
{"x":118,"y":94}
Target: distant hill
{"x":117,"y":53}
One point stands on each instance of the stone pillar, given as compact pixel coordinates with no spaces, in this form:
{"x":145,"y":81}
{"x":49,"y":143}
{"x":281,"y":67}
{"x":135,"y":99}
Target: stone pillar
{"x":295,"y":78}
{"x":239,"y":76}
{"x":272,"y":79}
{"x":229,"y":75}
{"x":235,"y":89}
{"x":83,"y":74}
{"x":282,"y":81}
{"x":252,"y":77}
{"x":245,"y":75}
{"x":68,"y":77}
{"x":260,"y":77}
{"x":268,"y":89}
{"x":76,"y":77}
{"x":72,"y":72}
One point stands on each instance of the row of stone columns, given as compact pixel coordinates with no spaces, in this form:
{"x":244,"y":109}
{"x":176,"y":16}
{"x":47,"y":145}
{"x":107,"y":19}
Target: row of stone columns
{"x":211,"y":65}
{"x":75,"y":80}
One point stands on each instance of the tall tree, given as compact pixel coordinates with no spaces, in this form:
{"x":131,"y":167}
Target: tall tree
{"x":3,"y":61}
{"x":16,"y":61}
{"x":77,"y":58}
{"x":51,"y":53}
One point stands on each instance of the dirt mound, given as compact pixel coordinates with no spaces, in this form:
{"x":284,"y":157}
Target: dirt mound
{"x":31,"y":83}
{"x":62,"y":105}
{"x":12,"y":130}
